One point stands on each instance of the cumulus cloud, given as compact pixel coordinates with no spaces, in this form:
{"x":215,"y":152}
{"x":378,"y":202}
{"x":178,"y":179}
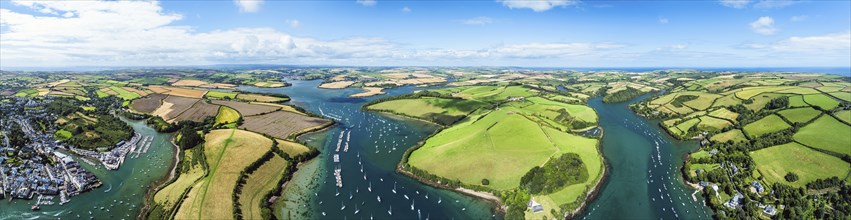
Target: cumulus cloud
{"x":663,"y":20}
{"x":142,"y":33}
{"x":249,"y":6}
{"x":838,"y":43}
{"x":367,"y":2}
{"x":406,"y":9}
{"x":537,"y":5}
{"x":735,"y":3}
{"x":481,"y":20}
{"x":764,"y":25}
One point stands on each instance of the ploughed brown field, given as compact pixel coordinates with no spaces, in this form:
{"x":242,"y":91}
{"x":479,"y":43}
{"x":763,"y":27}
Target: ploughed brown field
{"x":198,"y":112}
{"x":281,"y":124}
{"x":173,"y":106}
{"x":246,"y":109}
{"x":148,"y":104}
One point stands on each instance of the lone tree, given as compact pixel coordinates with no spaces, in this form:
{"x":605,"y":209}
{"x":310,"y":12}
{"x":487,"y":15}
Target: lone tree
{"x":791,"y":177}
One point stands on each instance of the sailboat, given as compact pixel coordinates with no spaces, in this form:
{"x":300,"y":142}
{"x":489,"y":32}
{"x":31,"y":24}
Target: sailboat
{"x":350,"y":196}
{"x":406,"y":197}
{"x":379,"y":198}
{"x":412,"y":205}
{"x":439,"y":200}
{"x":390,"y":211}
{"x":356,"y":209}
{"x":344,"y":206}
{"x":394,"y":187}
{"x":337,"y":193}
{"x":369,"y":187}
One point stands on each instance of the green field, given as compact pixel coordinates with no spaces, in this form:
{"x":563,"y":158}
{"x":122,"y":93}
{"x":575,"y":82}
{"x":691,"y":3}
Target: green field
{"x":797,"y":101}
{"x":775,"y":162}
{"x":429,"y":108}
{"x":826,"y":133}
{"x":821,"y":100}
{"x":124,"y":94}
{"x":846,"y":96}
{"x":735,"y":135}
{"x":62,"y":134}
{"x":799,"y":115}
{"x":725,"y":114}
{"x":501,"y":147}
{"x":685,"y":126}
{"x":844,"y":115}
{"x":220,"y":95}
{"x":709,"y":123}
{"x":768,"y":124}
{"x":226,"y":115}
{"x":701,"y":166}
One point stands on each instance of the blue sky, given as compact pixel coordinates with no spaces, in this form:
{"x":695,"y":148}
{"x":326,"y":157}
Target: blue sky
{"x":539,"y":33}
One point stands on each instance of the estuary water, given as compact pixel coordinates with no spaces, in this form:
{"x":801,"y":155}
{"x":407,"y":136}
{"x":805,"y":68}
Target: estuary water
{"x":644,"y":180}
{"x":123,"y":191}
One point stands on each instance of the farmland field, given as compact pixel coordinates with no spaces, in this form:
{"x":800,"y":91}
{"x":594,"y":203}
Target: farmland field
{"x":799,"y":115}
{"x":797,"y":101}
{"x":149,"y":103}
{"x":221,"y":95}
{"x":821,"y":100}
{"x":844,"y":115}
{"x":826,"y":133}
{"x":725,"y":114}
{"x":198,"y":112}
{"x":228,"y":152}
{"x":176,"y":91}
{"x":260,"y":98}
{"x":246,"y":109}
{"x":271,"y":123}
{"x":292,"y":148}
{"x":494,"y":139}
{"x":172,"y":107}
{"x":846,"y":96}
{"x":735,"y":135}
{"x":768,"y":124}
{"x":774,"y":162}
{"x":713,"y":123}
{"x":428,"y":107}
{"x":226,"y":115}
{"x":168,"y":196}
{"x":336,"y":85}
{"x":258,"y":184}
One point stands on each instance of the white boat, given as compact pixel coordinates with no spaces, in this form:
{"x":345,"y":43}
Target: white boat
{"x":412,"y":205}
{"x":369,"y":187}
{"x":390,"y":211}
{"x":394,"y":188}
{"x":379,"y":198}
{"x":406,"y":197}
{"x":439,"y":200}
{"x":356,"y":209}
{"x":344,"y":206}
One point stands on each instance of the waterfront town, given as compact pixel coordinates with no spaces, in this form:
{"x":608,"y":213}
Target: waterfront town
{"x":34,"y":165}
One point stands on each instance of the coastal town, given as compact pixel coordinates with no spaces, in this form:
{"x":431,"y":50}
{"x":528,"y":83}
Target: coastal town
{"x":36,"y":166}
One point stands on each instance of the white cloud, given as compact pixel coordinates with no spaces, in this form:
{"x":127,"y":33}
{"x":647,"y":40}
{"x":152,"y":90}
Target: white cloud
{"x":735,"y":3}
{"x":249,"y":6}
{"x":293,"y":23}
{"x":481,"y":20}
{"x":537,"y":5}
{"x":839,"y":43}
{"x":771,"y":4}
{"x":107,"y":33}
{"x":798,"y":18}
{"x":663,"y":20}
{"x":406,"y":9}
{"x":367,"y":2}
{"x":764,"y":25}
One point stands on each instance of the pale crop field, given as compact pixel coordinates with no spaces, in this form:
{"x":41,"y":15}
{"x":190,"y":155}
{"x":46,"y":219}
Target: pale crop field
{"x":768,"y":124}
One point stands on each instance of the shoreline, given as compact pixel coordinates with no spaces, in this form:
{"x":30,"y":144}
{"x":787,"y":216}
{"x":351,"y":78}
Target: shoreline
{"x":592,"y":194}
{"x":159,"y":184}
{"x":486,"y":196}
